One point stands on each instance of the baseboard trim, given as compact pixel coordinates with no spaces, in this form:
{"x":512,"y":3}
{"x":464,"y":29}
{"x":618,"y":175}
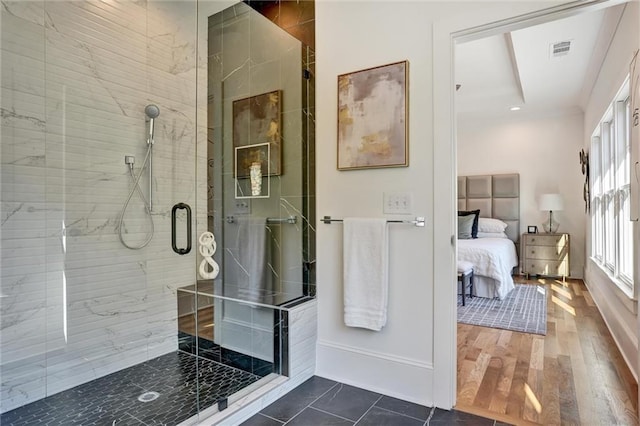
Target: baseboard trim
{"x":599,"y":301}
{"x":375,"y":354}
{"x":396,"y":376}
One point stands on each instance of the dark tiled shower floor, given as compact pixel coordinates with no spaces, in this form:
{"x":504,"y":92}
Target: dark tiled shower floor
{"x":113,"y":399}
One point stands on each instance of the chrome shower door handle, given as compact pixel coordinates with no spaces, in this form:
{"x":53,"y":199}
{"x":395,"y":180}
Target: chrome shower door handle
{"x":180,"y":251}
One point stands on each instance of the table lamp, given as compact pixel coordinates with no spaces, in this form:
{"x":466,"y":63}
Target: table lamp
{"x":551,"y":203}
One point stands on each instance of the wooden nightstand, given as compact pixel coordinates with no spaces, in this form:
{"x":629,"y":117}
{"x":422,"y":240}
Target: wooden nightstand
{"x":545,"y":254}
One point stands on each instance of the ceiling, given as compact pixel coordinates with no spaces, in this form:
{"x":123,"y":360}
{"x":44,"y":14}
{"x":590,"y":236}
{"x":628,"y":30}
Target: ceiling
{"x":517,"y":68}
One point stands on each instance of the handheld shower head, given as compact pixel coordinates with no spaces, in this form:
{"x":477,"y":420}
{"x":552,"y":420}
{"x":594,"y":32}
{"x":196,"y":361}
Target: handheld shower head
{"x":152,"y":112}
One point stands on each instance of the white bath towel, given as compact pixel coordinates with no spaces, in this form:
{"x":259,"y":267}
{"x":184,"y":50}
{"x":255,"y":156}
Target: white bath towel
{"x":365,"y":273}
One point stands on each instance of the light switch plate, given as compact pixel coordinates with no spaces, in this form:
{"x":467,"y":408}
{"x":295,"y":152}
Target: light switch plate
{"x":397,"y":203}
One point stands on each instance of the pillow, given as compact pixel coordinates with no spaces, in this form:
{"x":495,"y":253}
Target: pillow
{"x":476,"y":214}
{"x":465,"y":223}
{"x":486,"y":224}
{"x":492,"y":235}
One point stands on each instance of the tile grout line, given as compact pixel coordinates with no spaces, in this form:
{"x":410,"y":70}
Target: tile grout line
{"x":309,"y":405}
{"x":331,"y":414}
{"x":131,"y":415}
{"x":372,"y":405}
{"x":272,"y":418}
{"x":397,"y":412}
{"x":433,"y":411}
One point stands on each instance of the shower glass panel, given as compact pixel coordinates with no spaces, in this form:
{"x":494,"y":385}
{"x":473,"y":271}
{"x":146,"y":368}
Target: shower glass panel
{"x":96,"y":322}
{"x":258,"y":98}
{"x":84,"y":313}
{"x":90,"y":312}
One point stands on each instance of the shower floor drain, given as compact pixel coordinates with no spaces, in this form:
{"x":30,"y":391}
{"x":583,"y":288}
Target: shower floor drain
{"x":148,"y":396}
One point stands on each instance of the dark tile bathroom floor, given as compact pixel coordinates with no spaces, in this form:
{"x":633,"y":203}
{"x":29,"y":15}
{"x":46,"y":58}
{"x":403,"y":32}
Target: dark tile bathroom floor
{"x":113,"y":399}
{"x":322,"y":402}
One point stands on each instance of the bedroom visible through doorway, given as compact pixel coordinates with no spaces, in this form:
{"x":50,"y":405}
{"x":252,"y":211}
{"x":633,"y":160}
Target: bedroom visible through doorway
{"x":511,"y":118}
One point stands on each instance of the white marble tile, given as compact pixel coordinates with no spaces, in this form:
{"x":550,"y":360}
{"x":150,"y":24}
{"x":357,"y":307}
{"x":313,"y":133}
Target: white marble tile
{"x":22,"y":383}
{"x":26,"y":37}
{"x":22,"y":110}
{"x":31,"y":11}
{"x":22,"y":74}
{"x":22,"y":147}
{"x":71,"y":20}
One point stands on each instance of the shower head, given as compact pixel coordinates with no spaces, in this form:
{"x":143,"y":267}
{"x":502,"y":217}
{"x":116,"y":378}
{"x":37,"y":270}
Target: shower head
{"x":152,"y":111}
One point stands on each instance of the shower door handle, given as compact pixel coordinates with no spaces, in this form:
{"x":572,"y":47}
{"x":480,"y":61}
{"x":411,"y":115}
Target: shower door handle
{"x":175,"y":208}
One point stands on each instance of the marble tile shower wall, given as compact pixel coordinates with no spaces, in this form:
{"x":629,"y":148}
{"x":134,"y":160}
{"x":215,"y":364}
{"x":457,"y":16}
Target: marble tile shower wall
{"x":76,"y":76}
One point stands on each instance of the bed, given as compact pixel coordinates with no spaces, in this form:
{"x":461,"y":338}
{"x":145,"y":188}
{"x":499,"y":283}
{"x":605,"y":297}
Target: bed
{"x":493,"y":254}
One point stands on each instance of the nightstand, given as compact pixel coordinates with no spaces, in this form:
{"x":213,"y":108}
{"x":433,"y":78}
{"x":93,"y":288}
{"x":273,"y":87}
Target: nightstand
{"x":545,"y":254}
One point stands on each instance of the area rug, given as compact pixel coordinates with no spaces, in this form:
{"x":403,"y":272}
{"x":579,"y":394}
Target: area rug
{"x":524,"y":309}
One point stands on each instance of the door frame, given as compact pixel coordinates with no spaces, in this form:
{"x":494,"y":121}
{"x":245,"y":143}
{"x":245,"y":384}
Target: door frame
{"x":445,"y":36}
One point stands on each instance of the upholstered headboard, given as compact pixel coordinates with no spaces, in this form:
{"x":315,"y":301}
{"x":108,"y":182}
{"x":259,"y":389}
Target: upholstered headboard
{"x":497,"y":196}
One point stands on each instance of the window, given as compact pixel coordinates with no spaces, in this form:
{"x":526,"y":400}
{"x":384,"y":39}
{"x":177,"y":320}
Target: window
{"x":611,"y":228}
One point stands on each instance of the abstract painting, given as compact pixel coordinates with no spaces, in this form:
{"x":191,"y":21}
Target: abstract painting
{"x":256,"y":120}
{"x":372,"y":117}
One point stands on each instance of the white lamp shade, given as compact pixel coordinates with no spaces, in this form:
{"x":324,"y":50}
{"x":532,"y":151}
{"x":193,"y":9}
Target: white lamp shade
{"x":551,"y":202}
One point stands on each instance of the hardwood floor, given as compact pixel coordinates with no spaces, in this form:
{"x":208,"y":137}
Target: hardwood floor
{"x":574,"y":375}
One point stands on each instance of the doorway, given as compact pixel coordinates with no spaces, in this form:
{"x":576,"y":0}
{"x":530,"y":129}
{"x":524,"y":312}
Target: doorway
{"x":533,"y":400}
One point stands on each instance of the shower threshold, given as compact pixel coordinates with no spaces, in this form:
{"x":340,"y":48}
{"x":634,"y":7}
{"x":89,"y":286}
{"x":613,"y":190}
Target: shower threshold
{"x":179,"y":378}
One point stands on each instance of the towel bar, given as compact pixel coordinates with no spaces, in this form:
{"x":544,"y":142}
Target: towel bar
{"x":418,"y":221}
{"x":272,"y":220}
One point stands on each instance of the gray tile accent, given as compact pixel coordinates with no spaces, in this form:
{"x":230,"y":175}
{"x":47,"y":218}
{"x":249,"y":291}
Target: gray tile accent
{"x":347,"y":401}
{"x":404,"y":407}
{"x":261,"y":420}
{"x":319,"y":402}
{"x":443,"y":417}
{"x":311,"y":416}
{"x":380,"y":417}
{"x":285,"y":408}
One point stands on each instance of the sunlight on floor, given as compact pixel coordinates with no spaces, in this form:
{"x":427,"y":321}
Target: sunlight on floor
{"x":562,"y":291}
{"x":563,"y":305}
{"x":532,"y":399}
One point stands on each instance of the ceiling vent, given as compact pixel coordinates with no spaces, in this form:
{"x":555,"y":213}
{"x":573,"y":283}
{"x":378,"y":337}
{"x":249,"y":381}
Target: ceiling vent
{"x":560,"y":48}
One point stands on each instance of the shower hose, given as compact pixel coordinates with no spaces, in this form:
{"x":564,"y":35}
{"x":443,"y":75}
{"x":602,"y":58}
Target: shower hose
{"x":147,"y":209}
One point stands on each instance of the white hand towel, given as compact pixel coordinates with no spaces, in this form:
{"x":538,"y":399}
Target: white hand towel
{"x":365,"y":272}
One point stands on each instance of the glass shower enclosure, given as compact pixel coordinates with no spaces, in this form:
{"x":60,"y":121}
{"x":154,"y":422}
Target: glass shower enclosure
{"x":128,"y":133}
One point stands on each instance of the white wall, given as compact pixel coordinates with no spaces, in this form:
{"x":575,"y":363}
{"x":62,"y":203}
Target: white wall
{"x":544,"y":151}
{"x":395,"y":361}
{"x":618,"y":309}
{"x":402,"y":360}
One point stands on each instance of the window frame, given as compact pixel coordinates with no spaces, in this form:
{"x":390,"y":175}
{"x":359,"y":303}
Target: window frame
{"x":610,"y":153}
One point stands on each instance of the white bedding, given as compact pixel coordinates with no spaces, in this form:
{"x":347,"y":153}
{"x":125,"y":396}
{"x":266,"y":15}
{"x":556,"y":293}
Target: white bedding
{"x":491,"y":257}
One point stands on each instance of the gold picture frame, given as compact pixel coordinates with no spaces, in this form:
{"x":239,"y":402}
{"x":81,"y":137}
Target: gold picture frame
{"x":373,"y":115}
{"x":256,"y":120}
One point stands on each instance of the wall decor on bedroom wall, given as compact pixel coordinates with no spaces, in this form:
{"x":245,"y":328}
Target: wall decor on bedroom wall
{"x":584,"y":161}
{"x":372,"y":117}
